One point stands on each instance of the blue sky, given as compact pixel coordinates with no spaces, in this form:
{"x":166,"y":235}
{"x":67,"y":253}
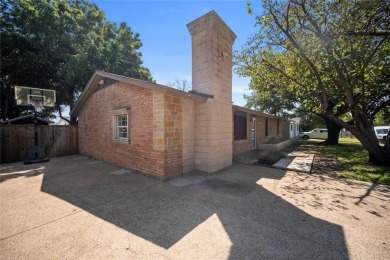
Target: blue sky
{"x":166,"y":41}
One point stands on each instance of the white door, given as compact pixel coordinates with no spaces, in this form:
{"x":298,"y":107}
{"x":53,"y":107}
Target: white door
{"x":291,"y":131}
{"x":253,"y":134}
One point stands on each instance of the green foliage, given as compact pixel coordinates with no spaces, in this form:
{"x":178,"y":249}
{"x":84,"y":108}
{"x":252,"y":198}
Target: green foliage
{"x":296,"y":52}
{"x":382,"y":118}
{"x":310,"y":121}
{"x":327,"y":57}
{"x":59,"y":44}
{"x":269,"y":102}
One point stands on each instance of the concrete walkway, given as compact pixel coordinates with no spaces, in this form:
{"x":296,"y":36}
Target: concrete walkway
{"x":75,"y":207}
{"x":296,"y":161}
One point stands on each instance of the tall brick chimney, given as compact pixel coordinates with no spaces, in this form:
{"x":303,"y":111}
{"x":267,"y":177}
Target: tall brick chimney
{"x":212,"y":42}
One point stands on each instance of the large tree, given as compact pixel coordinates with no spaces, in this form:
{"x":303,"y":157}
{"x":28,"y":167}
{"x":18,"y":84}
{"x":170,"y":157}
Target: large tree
{"x":329,"y":56}
{"x":58,"y":44}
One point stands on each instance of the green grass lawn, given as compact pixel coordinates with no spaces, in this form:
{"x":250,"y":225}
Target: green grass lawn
{"x":353,"y":160}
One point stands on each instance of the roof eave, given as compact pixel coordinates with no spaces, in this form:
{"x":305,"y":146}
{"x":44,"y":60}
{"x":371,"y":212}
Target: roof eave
{"x":99,"y":75}
{"x":254,"y":112}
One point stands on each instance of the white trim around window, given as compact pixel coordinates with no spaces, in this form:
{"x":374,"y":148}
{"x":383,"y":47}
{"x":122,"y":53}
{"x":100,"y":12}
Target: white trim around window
{"x":120,"y":125}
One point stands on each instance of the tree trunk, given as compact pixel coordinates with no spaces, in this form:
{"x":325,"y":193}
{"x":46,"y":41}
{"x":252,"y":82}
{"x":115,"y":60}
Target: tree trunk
{"x":4,"y":114}
{"x":73,"y":120}
{"x":364,"y":132}
{"x":333,"y":132}
{"x":60,"y":114}
{"x":386,"y":148}
{"x":375,"y":152}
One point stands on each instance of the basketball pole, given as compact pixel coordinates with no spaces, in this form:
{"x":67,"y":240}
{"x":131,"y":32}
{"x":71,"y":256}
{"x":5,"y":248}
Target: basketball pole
{"x":36,"y":153}
{"x":36,"y":126}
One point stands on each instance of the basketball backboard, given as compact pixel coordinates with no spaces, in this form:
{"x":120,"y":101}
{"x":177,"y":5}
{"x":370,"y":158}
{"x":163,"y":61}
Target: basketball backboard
{"x":26,"y":96}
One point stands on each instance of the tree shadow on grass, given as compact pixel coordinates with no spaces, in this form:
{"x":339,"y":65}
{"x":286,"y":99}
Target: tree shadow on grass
{"x":259,"y":224}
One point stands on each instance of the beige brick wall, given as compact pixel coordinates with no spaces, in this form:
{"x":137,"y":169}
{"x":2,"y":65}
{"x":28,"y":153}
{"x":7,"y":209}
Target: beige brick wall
{"x":168,"y":132}
{"x":212,"y":44}
{"x":272,"y":127}
{"x":272,"y":130}
{"x":189,"y":117}
{"x":173,"y":136}
{"x":241,"y":146}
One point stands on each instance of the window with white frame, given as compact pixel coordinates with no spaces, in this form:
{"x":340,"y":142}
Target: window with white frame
{"x":120,"y":125}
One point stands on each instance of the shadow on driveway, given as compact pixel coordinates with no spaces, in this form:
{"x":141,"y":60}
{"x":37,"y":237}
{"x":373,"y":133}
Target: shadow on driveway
{"x":259,"y":224}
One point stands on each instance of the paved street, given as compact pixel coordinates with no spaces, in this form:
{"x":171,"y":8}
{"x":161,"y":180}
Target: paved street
{"x":75,"y":207}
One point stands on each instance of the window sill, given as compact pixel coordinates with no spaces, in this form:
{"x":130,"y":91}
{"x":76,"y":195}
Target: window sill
{"x":121,"y":141}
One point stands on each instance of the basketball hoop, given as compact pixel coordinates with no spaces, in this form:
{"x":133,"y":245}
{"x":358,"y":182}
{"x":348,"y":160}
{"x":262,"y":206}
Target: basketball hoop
{"x":37,"y":102}
{"x":38,"y":98}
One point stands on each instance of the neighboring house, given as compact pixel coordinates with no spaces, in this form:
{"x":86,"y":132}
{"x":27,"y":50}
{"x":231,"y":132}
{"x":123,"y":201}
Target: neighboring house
{"x":27,"y":120}
{"x":165,"y":132}
{"x":294,"y":127}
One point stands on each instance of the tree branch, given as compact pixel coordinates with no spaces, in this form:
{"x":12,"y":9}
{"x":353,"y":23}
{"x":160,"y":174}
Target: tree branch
{"x":299,"y":48}
{"x":372,"y":34}
{"x":379,"y":108}
{"x":60,"y":114}
{"x":374,"y":51}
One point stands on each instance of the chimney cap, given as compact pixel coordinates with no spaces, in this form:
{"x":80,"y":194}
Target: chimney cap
{"x":209,"y":21}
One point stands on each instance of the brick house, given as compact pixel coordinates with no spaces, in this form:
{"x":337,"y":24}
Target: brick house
{"x":164,"y":132}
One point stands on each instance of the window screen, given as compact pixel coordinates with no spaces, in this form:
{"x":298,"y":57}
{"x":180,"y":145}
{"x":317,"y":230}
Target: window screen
{"x":240,"y":127}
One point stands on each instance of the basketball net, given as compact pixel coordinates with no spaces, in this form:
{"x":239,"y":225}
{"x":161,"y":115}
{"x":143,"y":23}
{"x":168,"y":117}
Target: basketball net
{"x":37,"y":103}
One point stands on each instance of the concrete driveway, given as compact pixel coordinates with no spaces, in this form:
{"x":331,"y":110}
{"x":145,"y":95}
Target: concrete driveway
{"x":75,"y":207}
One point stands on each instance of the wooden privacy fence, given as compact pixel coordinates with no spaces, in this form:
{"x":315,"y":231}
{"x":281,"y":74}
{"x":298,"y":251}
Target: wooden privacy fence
{"x":16,"y":140}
